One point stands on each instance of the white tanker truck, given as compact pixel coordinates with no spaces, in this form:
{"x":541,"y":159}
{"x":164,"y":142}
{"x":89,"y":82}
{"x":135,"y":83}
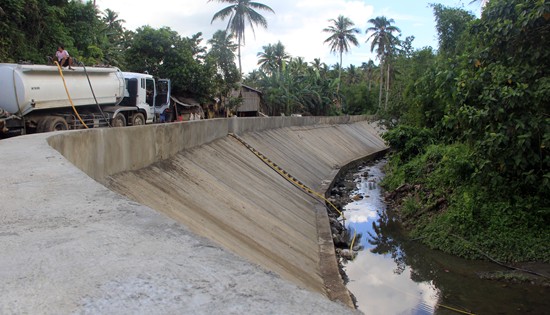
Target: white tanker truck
{"x":36,"y":98}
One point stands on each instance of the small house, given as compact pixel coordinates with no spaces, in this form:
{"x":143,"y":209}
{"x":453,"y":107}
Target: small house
{"x":252,"y":104}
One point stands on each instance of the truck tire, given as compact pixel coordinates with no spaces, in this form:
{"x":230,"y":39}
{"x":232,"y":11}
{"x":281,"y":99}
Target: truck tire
{"x":52,"y":123}
{"x":119,"y":120}
{"x":138,"y":119}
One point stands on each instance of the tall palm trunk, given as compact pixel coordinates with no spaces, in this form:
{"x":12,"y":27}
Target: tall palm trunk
{"x":240,"y":66}
{"x":387,"y":87}
{"x":339,"y":75}
{"x":369,"y":78}
{"x":381,"y":83}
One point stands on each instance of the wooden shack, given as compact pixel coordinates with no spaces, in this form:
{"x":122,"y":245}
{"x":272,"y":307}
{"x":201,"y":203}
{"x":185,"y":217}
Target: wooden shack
{"x":252,"y":104}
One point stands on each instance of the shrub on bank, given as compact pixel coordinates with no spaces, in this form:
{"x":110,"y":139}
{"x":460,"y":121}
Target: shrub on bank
{"x":442,"y":203}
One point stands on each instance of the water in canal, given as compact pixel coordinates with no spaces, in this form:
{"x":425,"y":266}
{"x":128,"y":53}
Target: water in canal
{"x":393,"y":275}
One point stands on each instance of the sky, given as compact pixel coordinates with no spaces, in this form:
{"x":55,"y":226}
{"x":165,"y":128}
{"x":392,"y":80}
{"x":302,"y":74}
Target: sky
{"x":298,"y":24}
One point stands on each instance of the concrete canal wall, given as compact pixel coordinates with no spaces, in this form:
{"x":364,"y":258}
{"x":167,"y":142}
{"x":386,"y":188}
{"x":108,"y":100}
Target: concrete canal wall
{"x":223,"y":218}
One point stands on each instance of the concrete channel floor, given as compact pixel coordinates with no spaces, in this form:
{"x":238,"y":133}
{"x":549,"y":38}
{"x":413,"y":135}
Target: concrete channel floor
{"x":69,"y":245}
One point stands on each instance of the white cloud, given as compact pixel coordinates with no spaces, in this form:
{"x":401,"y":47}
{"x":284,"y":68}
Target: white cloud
{"x":298,"y":24}
{"x":355,"y":217}
{"x":380,"y":290}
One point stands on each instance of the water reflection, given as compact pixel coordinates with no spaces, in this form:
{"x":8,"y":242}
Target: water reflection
{"x":394,"y":275}
{"x":379,"y":277}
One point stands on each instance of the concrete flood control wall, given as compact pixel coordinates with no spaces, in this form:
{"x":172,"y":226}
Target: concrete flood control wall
{"x":71,"y":245}
{"x":197,"y":175}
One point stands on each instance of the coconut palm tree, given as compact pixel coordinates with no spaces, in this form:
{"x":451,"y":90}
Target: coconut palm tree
{"x":223,"y":48}
{"x":113,"y":27}
{"x":240,"y":12}
{"x":111,"y":20}
{"x":272,"y":58}
{"x":299,"y":66}
{"x":384,"y":41}
{"x":368,"y":68}
{"x":343,"y":34}
{"x":223,"y":52}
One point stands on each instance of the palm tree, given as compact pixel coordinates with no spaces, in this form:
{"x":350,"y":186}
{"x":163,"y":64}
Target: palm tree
{"x":368,"y":68}
{"x":299,"y":66}
{"x":272,"y":58}
{"x":114,"y":30}
{"x":223,"y":52}
{"x":110,"y":18}
{"x":342,"y":35}
{"x":223,"y":48}
{"x":240,"y":12}
{"x":352,"y":76}
{"x":316,"y":64}
{"x":383,"y":40}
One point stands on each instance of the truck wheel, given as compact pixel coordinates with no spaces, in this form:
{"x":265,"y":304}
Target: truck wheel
{"x":138,"y":119}
{"x":119,"y":120}
{"x":52,"y":123}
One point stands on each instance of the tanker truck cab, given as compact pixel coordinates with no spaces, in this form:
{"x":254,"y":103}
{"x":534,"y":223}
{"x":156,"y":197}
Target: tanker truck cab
{"x":152,"y":98}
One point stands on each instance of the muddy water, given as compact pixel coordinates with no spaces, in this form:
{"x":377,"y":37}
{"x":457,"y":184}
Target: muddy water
{"x":393,"y":275}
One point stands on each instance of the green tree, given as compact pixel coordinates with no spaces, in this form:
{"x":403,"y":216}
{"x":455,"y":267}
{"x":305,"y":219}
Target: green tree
{"x":482,"y":162}
{"x":32,"y":29}
{"x":223,"y":51}
{"x":241,"y":12}
{"x":83,"y":26}
{"x":163,"y":53}
{"x":503,"y":91}
{"x":342,"y":35}
{"x":297,"y":87}
{"x":451,"y":24}
{"x":222,"y":55}
{"x":368,"y":71}
{"x":115,"y":38}
{"x":272,"y":58}
{"x":113,"y":23}
{"x":383,"y":39}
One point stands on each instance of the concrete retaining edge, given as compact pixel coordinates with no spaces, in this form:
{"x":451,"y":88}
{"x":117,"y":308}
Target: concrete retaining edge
{"x":127,"y":149}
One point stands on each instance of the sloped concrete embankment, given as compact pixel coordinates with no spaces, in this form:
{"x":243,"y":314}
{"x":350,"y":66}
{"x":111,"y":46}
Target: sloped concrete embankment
{"x":197,"y":175}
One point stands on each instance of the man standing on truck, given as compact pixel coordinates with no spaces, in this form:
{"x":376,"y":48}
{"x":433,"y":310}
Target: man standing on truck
{"x":63,"y":57}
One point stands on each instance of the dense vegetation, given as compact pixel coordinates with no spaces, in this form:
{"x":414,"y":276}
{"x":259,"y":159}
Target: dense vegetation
{"x":468,"y":122}
{"x":472,"y":143}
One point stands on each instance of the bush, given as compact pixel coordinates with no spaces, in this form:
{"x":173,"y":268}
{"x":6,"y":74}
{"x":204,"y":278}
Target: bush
{"x":452,"y":211}
{"x":408,"y":141}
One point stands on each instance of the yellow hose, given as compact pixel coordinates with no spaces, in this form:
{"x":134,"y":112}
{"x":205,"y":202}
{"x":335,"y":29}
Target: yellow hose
{"x":285,"y":174}
{"x":454,"y":309}
{"x":68,"y":95}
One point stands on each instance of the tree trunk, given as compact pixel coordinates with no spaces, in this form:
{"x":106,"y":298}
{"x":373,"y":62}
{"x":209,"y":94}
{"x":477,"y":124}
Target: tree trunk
{"x":339,"y":76}
{"x":387,"y":87}
{"x":240,"y":66}
{"x":381,"y":83}
{"x":369,"y":78}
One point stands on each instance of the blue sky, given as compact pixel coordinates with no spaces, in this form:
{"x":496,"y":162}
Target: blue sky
{"x":297,"y":24}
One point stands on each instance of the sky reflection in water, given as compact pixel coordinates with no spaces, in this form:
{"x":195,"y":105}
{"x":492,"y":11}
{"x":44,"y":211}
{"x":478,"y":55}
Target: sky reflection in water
{"x":380,"y":284}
